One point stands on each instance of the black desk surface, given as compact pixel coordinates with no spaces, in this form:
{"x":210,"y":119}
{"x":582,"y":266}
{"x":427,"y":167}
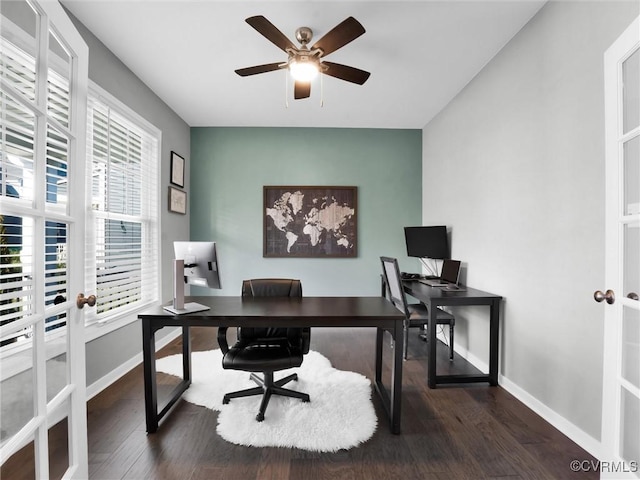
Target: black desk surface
{"x":312,"y":311}
{"x":443,"y":296}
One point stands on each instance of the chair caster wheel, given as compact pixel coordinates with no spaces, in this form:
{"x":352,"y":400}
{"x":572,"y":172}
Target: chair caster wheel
{"x":225,"y":400}
{"x":260,"y":417}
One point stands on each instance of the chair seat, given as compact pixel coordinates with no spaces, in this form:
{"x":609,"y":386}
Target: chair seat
{"x":259,"y":357}
{"x":420,"y":312}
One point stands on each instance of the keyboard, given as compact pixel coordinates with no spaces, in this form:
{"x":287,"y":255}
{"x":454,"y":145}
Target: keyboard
{"x":434,"y":282}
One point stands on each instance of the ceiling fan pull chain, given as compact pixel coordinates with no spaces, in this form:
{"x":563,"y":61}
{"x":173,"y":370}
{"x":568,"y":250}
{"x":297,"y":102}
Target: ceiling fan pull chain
{"x":321,"y":91}
{"x":286,"y":90}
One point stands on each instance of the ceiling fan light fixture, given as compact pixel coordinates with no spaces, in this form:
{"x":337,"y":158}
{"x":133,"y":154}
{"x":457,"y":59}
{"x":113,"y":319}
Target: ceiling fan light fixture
{"x":304,"y":62}
{"x":303,"y":70}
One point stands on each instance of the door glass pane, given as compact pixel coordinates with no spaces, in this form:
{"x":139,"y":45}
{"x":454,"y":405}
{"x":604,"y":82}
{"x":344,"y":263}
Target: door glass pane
{"x":56,"y":274}
{"x":631,"y":167}
{"x":16,"y":273}
{"x":18,"y":47}
{"x":631,"y":346}
{"x":59,"y":444}
{"x":57,"y":377}
{"x":58,"y":81}
{"x":17,"y":133}
{"x":57,"y":162}
{"x":630,"y":432}
{"x":16,"y":390}
{"x":631,"y":266}
{"x":631,"y":92}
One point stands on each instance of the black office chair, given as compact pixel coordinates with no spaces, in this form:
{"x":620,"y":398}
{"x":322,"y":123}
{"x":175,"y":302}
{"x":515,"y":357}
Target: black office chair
{"x":266,"y":349}
{"x":416,"y":315}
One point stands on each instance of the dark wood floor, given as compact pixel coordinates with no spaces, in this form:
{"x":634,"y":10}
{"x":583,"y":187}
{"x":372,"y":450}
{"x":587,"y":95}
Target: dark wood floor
{"x":461,"y":432}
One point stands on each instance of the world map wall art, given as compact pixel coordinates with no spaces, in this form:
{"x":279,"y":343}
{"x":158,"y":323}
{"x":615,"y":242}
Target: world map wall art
{"x":310,"y":221}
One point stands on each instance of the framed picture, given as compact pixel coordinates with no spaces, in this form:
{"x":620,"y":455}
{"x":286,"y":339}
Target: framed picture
{"x":310,"y":221}
{"x":177,"y":200}
{"x":177,"y":169}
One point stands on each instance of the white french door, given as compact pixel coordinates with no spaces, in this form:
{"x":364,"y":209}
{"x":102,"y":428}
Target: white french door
{"x":621,"y":382}
{"x":43,"y":97}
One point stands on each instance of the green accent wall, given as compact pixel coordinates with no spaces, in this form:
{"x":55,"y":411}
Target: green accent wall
{"x":229,"y":167}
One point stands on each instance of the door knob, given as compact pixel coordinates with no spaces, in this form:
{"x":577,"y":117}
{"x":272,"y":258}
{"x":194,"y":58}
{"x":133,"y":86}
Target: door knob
{"x":609,"y":296}
{"x":81,"y":300}
{"x":633,"y":296}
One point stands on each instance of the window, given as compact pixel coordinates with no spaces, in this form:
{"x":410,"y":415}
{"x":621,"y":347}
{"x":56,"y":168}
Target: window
{"x":123,"y":224}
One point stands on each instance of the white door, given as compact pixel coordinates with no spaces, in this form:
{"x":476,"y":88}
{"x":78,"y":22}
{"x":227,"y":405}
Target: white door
{"x":621,"y":384}
{"x":43,"y":95}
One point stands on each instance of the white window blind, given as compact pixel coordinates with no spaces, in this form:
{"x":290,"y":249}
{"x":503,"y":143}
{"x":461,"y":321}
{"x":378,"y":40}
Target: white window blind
{"x":122,"y":240}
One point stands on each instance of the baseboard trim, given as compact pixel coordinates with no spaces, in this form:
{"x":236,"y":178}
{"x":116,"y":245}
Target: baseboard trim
{"x":114,"y":375}
{"x":576,"y":434}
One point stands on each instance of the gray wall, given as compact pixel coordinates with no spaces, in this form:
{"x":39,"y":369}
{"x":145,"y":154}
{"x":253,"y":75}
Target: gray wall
{"x":109,"y":351}
{"x":230,"y":166}
{"x":524,"y":145}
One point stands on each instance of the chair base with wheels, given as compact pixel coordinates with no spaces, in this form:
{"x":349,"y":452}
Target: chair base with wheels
{"x":267,"y":387}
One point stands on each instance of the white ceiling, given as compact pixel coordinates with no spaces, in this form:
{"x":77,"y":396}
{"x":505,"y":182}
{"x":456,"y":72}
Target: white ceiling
{"x":420,"y":55}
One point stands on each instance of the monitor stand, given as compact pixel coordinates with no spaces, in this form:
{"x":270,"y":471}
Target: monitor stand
{"x":191,"y":307}
{"x":178,"y":307}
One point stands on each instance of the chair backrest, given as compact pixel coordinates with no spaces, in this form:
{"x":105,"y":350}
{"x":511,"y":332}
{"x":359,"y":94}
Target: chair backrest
{"x":274,"y":287}
{"x":392,"y":279}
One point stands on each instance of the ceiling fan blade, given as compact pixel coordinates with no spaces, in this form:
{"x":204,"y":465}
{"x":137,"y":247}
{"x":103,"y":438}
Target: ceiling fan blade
{"x":339,"y":36}
{"x":268,"y":67}
{"x":270,"y":32}
{"x":345,"y":72}
{"x":301,"y":90}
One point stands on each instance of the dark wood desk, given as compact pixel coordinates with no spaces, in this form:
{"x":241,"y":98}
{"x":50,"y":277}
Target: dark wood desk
{"x":278,"y":312}
{"x":434,"y":297}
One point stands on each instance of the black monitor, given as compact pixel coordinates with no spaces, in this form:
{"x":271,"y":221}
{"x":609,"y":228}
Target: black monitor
{"x":450,"y":271}
{"x":427,"y":241}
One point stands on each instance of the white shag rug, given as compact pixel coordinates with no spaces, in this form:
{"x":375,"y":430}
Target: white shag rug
{"x":339,"y":416}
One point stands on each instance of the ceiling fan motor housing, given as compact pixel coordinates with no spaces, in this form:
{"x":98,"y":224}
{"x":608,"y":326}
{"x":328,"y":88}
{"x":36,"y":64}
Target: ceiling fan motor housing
{"x":304,"y":35}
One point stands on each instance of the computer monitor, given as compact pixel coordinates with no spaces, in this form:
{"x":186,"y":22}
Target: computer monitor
{"x":196,"y":263}
{"x":200,"y":263}
{"x":427,"y":242}
{"x":450,"y":271}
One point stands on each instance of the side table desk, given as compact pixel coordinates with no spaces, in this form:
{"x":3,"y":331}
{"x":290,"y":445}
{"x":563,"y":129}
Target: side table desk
{"x":434,"y":297}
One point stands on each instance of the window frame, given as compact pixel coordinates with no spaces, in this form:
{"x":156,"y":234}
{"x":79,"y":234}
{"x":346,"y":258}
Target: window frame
{"x":97,"y":327}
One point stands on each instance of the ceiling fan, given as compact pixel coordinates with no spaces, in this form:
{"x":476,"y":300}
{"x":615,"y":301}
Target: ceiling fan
{"x":306,"y":62}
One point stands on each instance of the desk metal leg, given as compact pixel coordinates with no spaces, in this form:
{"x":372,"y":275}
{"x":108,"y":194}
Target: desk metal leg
{"x":391,"y":402}
{"x":396,"y":379}
{"x":150,"y":386}
{"x":494,"y":331}
{"x":379,"y":340}
{"x":431,"y":346}
{"x":186,"y":355}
